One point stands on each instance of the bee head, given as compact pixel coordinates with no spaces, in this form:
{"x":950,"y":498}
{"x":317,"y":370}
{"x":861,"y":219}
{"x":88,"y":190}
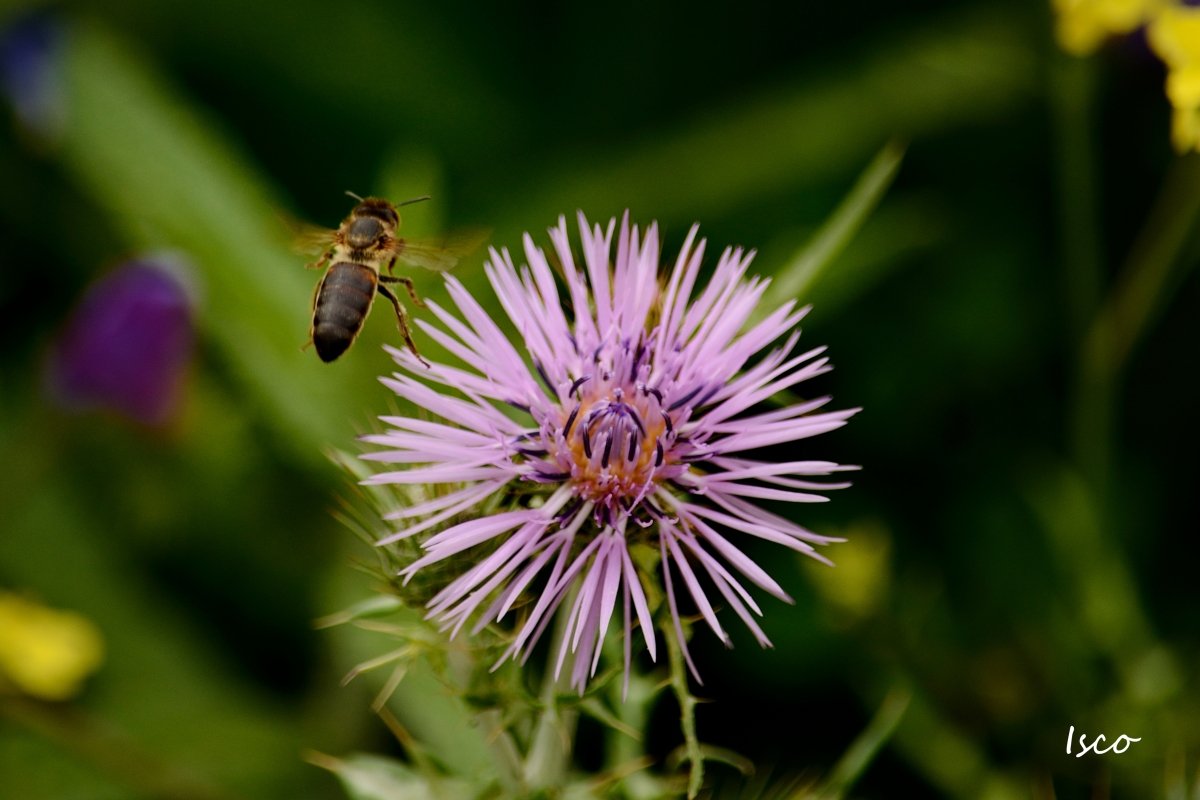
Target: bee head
{"x":371,"y":221}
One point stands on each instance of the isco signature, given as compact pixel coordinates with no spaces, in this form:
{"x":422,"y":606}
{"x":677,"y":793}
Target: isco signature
{"x":1094,"y":747}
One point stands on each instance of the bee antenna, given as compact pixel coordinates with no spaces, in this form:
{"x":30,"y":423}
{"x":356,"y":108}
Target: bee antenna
{"x":415,"y":200}
{"x":352,"y":194}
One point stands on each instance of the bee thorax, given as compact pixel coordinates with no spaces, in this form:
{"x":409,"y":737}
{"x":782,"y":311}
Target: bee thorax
{"x":363,"y":232}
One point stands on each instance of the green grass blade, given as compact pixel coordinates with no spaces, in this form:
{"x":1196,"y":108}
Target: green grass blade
{"x":954,"y":72}
{"x":170,"y":180}
{"x":798,"y":277}
{"x":862,"y":751}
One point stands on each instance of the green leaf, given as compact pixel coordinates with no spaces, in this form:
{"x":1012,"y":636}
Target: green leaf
{"x":899,"y":230}
{"x":796,"y":279}
{"x":436,"y":718}
{"x":170,"y":179}
{"x":371,"y":777}
{"x":862,"y":751}
{"x":954,"y":72}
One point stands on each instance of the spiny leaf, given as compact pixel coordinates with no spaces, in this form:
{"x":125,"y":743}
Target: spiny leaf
{"x":596,"y":710}
{"x":377,"y":606}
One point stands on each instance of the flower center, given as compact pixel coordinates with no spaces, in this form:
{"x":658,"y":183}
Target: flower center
{"x":614,"y":442}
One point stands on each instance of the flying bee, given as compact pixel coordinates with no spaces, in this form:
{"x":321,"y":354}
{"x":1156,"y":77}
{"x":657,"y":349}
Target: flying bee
{"x":360,"y":250}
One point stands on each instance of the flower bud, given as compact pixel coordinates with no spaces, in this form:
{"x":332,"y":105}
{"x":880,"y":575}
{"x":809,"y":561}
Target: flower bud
{"x":127,"y":344}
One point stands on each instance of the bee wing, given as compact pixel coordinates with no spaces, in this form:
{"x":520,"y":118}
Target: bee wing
{"x":439,"y":253}
{"x":307,"y":238}
{"x":313,"y":240}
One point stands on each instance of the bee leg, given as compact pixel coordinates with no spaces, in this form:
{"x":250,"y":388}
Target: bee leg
{"x":328,"y":254}
{"x":391,"y":265}
{"x":402,"y":322}
{"x":408,"y":284}
{"x":312,"y":302}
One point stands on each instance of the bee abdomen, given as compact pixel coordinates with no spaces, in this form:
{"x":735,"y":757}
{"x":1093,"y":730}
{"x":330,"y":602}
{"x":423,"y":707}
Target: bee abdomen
{"x":342,"y":306}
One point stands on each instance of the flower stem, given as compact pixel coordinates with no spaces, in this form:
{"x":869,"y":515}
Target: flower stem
{"x":1139,"y":293}
{"x":687,"y":710}
{"x":1073,"y":95}
{"x":549,"y":754}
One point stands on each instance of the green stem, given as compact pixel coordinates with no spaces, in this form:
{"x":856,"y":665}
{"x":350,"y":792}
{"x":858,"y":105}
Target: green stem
{"x":1138,"y":294}
{"x":503,"y":750}
{"x":547,"y":761}
{"x":687,"y":709}
{"x":623,"y":751}
{"x":1073,"y":106}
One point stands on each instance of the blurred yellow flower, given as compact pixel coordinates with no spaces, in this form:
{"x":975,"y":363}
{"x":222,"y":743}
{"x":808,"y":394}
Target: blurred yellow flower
{"x":1083,"y":25}
{"x":1175,"y":36}
{"x":861,"y":581}
{"x":1173,"y":31}
{"x":44,"y":652}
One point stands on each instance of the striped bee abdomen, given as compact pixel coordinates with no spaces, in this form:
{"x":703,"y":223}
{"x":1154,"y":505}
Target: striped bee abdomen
{"x":342,"y":306}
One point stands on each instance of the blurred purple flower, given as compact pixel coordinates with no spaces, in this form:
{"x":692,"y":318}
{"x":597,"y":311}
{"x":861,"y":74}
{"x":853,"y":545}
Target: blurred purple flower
{"x":126,"y":345}
{"x":642,"y":411}
{"x":31,"y":71}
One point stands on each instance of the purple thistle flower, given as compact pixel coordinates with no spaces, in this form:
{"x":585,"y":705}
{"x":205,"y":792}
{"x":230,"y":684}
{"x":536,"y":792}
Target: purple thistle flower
{"x":643,"y":412}
{"x":126,"y":345}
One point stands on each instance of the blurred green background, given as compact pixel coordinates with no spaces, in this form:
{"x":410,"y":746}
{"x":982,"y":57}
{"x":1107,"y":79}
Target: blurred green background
{"x":1018,"y":318}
